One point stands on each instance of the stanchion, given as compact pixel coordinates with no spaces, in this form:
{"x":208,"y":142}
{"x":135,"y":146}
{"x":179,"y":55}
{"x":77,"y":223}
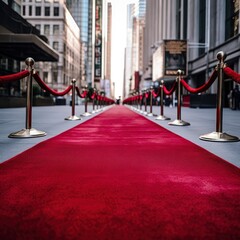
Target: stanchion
{"x":94,"y":94}
{"x":150,"y":114}
{"x":161,"y":116}
{"x":86,"y":113}
{"x":145,"y":103}
{"x":179,"y":121}
{"x":73,"y":117}
{"x":219,"y":136}
{"x":28,"y":132}
{"x":140,"y":102}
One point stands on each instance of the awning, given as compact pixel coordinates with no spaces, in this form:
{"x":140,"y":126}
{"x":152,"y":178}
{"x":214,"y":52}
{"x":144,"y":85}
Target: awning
{"x":22,"y":46}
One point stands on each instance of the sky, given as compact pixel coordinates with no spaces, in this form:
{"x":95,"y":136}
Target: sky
{"x":119,"y":26}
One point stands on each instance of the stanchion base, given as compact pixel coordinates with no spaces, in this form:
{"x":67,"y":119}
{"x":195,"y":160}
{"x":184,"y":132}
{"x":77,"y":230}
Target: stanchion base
{"x":178,"y":122}
{"x":27,"y":133}
{"x":73,"y":118}
{"x":162,"y":117}
{"x":86,"y":114}
{"x":151,"y":115}
{"x":219,"y":137}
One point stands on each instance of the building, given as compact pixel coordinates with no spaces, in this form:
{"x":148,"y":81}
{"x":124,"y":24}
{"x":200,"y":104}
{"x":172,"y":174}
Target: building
{"x":207,"y":26}
{"x":54,"y":21}
{"x":134,"y":49}
{"x":19,"y":40}
{"x":81,"y":10}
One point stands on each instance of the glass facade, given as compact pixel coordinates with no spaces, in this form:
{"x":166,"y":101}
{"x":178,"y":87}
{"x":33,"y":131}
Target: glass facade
{"x":81,"y":12}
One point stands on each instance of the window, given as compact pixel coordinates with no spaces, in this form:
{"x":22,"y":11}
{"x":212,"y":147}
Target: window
{"x":24,"y":10}
{"x":54,"y":76}
{"x":47,"y":11}
{"x":56,"y":11}
{"x":202,"y":25}
{"x":55,"y":29}
{"x":46,"y":29}
{"x":45,"y":77}
{"x":55,"y":46}
{"x":38,"y":11}
{"x":232,"y":18}
{"x":30,"y":11}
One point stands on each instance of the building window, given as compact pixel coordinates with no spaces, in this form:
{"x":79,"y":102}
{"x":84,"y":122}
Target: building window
{"x":55,"y":46}
{"x":55,"y":76}
{"x":38,"y":11}
{"x":30,"y":11}
{"x":56,"y":11}
{"x":55,"y":29}
{"x":24,"y":10}
{"x":46,"y":29}
{"x":178,"y":19}
{"x":232,"y":18}
{"x":47,"y":11}
{"x":45,"y":77}
{"x":202,"y":25}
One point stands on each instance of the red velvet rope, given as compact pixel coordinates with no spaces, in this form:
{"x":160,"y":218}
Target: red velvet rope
{"x":14,"y":77}
{"x":93,"y":96}
{"x":43,"y":85}
{"x":203,"y":87}
{"x":81,"y":95}
{"x":146,"y":95}
{"x":170,"y":92}
{"x":155,"y":95}
{"x":232,"y":74}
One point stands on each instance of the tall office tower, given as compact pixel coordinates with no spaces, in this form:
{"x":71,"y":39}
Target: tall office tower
{"x":134,"y":48}
{"x":108,"y":86}
{"x":82,"y":14}
{"x":53,"y":20}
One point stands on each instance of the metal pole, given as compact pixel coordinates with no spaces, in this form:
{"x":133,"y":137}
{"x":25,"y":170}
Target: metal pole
{"x":73,"y":117}
{"x":73,"y":96}
{"x":151,"y":102}
{"x":179,"y":96}
{"x":28,"y":132}
{"x":29,"y":62}
{"x":179,"y":121}
{"x":161,"y":116}
{"x":221,"y":57}
{"x":161,"y":96}
{"x":219,"y":136}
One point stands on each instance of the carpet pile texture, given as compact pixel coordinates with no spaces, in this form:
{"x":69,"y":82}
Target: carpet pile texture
{"x":118,"y":176}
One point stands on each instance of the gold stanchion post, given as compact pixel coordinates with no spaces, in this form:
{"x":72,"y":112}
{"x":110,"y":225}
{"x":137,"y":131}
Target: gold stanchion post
{"x":150,"y":114}
{"x":94,"y":92}
{"x":161,"y":116}
{"x":179,"y":121}
{"x":28,"y":132}
{"x":218,"y":135}
{"x":145,"y":103}
{"x":86,"y":113}
{"x":73,"y":117}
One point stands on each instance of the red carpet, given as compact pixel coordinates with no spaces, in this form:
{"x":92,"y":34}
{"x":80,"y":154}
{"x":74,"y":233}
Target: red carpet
{"x":118,"y":176}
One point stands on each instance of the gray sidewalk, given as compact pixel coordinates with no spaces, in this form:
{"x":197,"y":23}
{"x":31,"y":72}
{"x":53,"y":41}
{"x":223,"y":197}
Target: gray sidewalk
{"x":203,"y":121}
{"x":51,"y":120}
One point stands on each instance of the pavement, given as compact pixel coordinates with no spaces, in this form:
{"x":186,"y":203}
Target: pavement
{"x":51,"y":119}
